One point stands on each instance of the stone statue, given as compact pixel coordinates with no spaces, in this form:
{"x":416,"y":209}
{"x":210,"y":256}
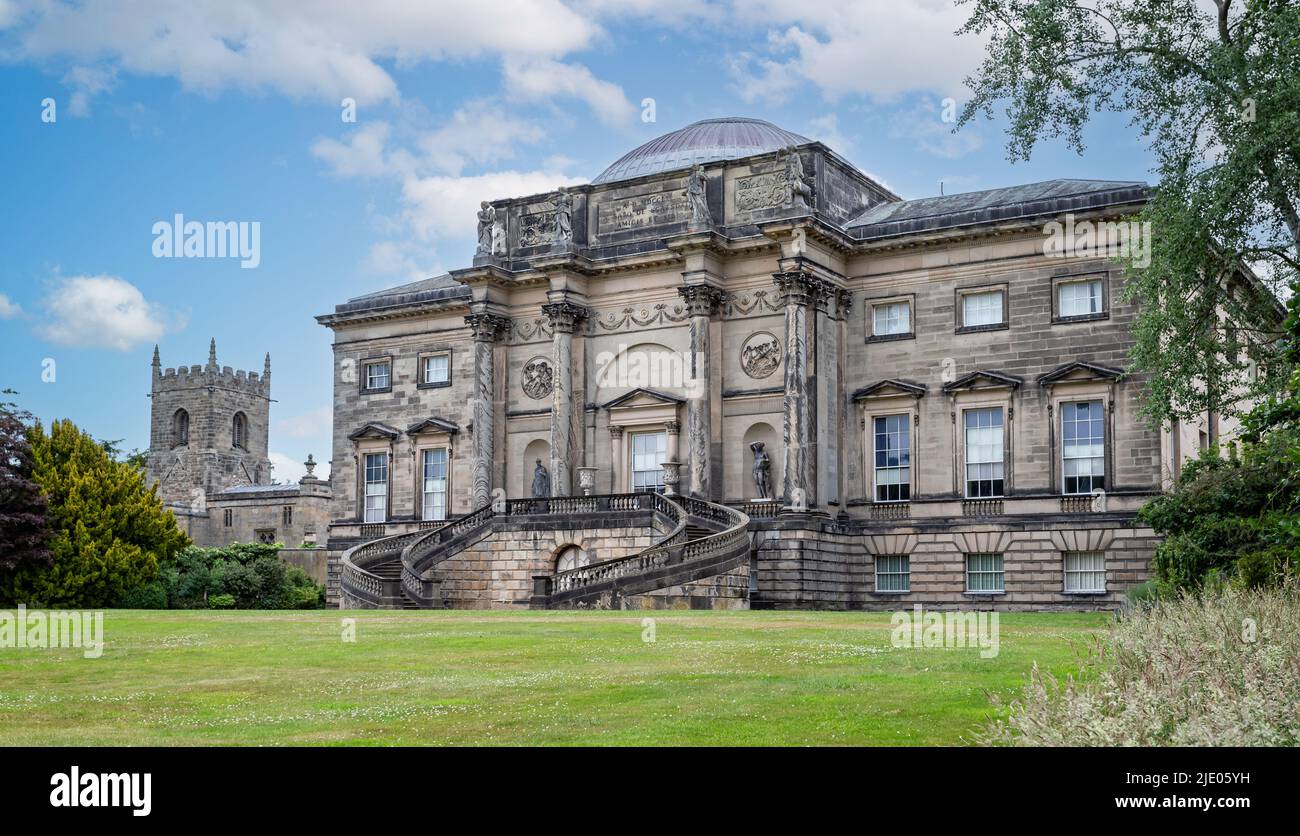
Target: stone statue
{"x":563,"y":219}
{"x":498,"y":238}
{"x":799,"y":193}
{"x":541,"y":481}
{"x":487,"y":216}
{"x":762,"y":470}
{"x":697,"y":194}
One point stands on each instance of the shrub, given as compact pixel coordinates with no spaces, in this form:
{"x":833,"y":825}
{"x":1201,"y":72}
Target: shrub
{"x":221,"y":601}
{"x":1217,"y":669}
{"x":150,"y":596}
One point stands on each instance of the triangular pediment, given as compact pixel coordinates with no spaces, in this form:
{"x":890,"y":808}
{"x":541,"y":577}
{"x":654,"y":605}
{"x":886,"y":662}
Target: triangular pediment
{"x":374,"y":429}
{"x":643,"y":397}
{"x":1079,"y":372}
{"x":890,"y":388}
{"x":432,"y":424}
{"x":983,"y":379}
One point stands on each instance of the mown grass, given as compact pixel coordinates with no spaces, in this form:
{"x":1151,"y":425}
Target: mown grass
{"x":531,"y":678}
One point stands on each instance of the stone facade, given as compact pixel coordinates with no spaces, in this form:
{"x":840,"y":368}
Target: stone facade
{"x":623,"y":330}
{"x":209,"y":457}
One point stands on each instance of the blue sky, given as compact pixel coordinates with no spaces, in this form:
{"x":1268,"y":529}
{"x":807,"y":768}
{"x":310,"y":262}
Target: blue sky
{"x":230,"y":111}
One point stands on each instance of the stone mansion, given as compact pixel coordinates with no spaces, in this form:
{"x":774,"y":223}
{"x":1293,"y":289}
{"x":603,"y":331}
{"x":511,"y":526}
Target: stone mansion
{"x":736,"y":371}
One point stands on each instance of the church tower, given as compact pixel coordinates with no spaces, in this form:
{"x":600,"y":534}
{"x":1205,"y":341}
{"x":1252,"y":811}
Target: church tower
{"x":209,"y":430}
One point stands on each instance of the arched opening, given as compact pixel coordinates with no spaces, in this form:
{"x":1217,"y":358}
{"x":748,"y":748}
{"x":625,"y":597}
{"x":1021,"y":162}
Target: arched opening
{"x":239,"y":432}
{"x":180,"y":428}
{"x":536,"y":450}
{"x":570,"y":557}
{"x":744,"y":485}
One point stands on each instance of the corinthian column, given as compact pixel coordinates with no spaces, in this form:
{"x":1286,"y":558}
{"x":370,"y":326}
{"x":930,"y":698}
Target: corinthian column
{"x":797,"y":292}
{"x":702,"y":301}
{"x":487,"y":329}
{"x":565,"y":317}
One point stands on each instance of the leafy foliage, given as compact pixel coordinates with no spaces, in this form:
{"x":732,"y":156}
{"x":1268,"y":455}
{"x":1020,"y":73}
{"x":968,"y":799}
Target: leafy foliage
{"x":242,"y":575}
{"x":24,"y":530}
{"x":111,"y":532}
{"x":1232,"y":519}
{"x":1216,"y":670}
{"x":1217,"y":96}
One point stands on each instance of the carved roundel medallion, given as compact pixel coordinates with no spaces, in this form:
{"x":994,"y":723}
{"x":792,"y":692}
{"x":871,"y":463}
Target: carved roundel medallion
{"x":539,"y":380}
{"x":760,"y":355}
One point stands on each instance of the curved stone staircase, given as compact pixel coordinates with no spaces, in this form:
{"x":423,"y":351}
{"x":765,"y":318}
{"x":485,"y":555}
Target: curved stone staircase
{"x":704,"y":539}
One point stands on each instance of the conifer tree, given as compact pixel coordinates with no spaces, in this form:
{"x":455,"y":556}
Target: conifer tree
{"x":110,"y":529}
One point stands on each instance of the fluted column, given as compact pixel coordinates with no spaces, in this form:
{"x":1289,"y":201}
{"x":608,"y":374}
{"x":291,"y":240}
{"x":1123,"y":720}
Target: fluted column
{"x":797,"y":291}
{"x":565,"y":318}
{"x":487,"y":329}
{"x":702,"y":301}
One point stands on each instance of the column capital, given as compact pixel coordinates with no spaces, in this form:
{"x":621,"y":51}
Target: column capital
{"x":565,"y":315}
{"x":673,"y":427}
{"x":833,"y":299}
{"x":488,"y":328}
{"x":702,"y":299}
{"x":616,"y":432}
{"x":796,"y":288}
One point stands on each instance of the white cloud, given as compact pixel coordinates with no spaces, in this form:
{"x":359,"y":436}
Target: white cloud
{"x":319,"y":49}
{"x":924,"y":126}
{"x":479,"y":133}
{"x":545,"y":78}
{"x":85,"y":83}
{"x":101,"y":312}
{"x":876,"y":48}
{"x":445,"y":207}
{"x":827,"y":130}
{"x":362,"y":155}
{"x":8,"y":309}
{"x":316,"y":422}
{"x":286,"y":468}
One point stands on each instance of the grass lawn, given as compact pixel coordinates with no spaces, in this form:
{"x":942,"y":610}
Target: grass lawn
{"x":460,"y":677}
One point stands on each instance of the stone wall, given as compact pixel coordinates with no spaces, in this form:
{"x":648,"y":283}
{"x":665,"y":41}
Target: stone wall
{"x":726,"y":591}
{"x":497,"y":571}
{"x":806,"y":563}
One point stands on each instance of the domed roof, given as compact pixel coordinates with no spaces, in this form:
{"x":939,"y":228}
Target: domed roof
{"x":728,"y":138}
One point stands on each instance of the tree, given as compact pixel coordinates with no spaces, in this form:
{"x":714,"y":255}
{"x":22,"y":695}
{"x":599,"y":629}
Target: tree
{"x":1218,"y":98}
{"x":24,"y":529}
{"x":110,"y":529}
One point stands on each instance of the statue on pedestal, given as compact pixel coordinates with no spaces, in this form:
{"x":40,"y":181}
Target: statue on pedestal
{"x":798,"y":192}
{"x":762,"y":470}
{"x":541,"y":481}
{"x":697,"y":194}
{"x":563,"y":220}
{"x":487,"y":216}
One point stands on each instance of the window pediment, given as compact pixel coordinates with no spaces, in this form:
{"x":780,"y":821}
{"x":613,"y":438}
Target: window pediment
{"x":982,"y":379}
{"x":1079,"y":372}
{"x":890,"y":388}
{"x":374,"y":429}
{"x":643,"y":397}
{"x":433,"y":425}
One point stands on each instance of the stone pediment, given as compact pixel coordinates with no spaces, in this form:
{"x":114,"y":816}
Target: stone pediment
{"x":1079,"y":372}
{"x":433,"y":425}
{"x":643,"y":397}
{"x":982,"y":379}
{"x":374,"y":429}
{"x":890,"y":388}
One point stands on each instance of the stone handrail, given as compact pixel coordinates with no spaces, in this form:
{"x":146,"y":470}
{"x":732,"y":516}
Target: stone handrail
{"x":676,"y":554}
{"x":362,"y":585}
{"x":426,"y":548}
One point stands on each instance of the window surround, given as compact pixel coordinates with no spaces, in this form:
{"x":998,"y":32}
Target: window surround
{"x":1066,"y":571}
{"x":1071,"y":278}
{"x":982,"y":390}
{"x":1000,"y":562}
{"x":419,"y":368}
{"x":374,"y":438}
{"x":905,"y":572}
{"x":1074,"y":382}
{"x":870,"y":308}
{"x":959,"y":295}
{"x":640,"y":411}
{"x":431,"y":434}
{"x":364,"y":376}
{"x":880,"y":400}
